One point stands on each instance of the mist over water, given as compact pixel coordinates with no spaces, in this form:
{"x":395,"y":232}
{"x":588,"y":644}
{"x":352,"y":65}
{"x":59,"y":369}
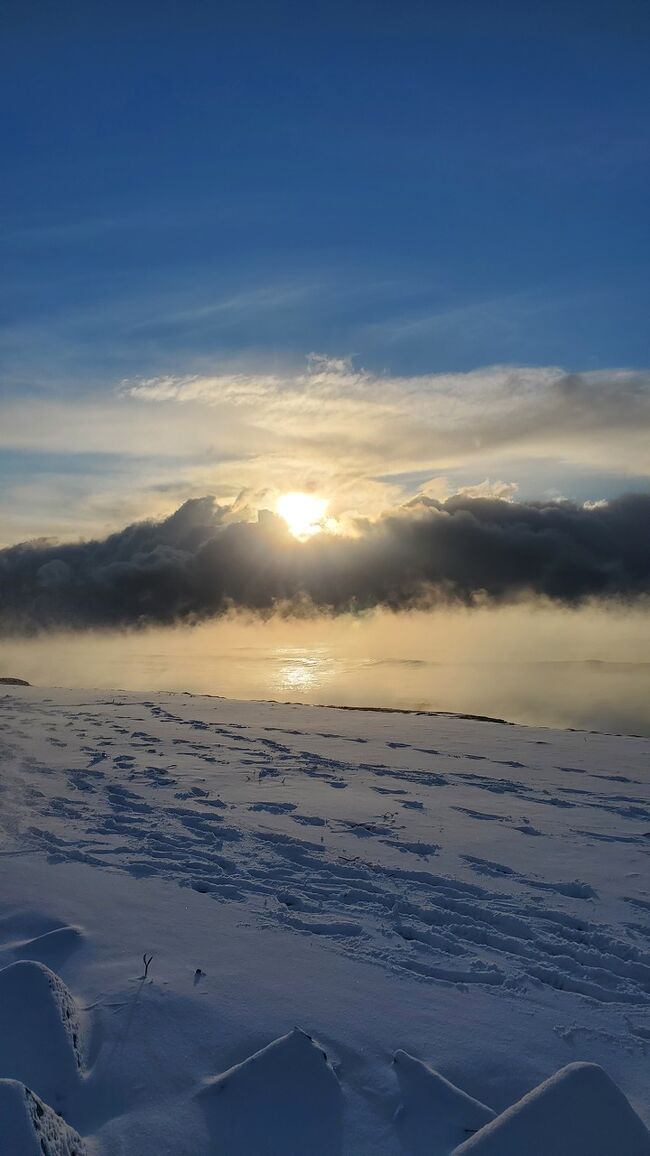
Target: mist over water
{"x":533,"y":664}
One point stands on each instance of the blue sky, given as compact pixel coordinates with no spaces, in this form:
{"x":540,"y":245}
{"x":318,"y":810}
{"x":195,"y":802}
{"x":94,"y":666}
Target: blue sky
{"x":426,"y":188}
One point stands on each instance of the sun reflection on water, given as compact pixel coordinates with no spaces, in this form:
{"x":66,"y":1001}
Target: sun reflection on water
{"x":303,"y":670}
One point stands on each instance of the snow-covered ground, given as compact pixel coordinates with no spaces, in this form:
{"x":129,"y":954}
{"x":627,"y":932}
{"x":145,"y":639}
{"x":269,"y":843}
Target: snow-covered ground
{"x":371,"y":932}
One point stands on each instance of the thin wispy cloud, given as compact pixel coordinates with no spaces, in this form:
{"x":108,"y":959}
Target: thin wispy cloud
{"x":368,"y":441}
{"x":439,"y":417}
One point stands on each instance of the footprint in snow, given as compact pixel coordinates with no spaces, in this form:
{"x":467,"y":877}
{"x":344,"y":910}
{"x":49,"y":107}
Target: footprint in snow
{"x":273,"y":808}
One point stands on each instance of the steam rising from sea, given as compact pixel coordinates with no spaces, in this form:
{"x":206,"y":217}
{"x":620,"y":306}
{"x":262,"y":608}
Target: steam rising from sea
{"x":541,"y":665}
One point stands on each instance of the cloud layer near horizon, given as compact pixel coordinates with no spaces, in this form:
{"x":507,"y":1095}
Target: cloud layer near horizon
{"x":91,"y":461}
{"x":433,"y":419}
{"x":201,"y":562}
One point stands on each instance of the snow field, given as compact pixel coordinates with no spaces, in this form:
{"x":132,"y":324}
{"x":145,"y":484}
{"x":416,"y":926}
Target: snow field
{"x":424,"y":895}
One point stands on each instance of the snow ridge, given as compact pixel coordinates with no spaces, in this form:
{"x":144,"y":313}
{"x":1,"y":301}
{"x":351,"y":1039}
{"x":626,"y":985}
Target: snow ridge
{"x":577,"y":1112}
{"x":284,"y":1098}
{"x":28,"y":1127}
{"x":434,"y":1116}
{"x":40,"y":1030}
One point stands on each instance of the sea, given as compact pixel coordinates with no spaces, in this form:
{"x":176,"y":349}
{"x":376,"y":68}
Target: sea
{"x":586,"y":669}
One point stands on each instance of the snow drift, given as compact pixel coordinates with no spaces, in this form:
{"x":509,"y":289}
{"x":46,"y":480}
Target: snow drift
{"x":283,"y":1099}
{"x":40,"y":1031}
{"x":52,"y":947}
{"x":28,"y":1127}
{"x":434,"y":1116}
{"x":577,"y":1112}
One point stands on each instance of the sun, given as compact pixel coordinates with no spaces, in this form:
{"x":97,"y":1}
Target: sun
{"x":303,"y":513}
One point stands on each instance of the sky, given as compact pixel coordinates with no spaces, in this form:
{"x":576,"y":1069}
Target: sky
{"x":366,"y":250}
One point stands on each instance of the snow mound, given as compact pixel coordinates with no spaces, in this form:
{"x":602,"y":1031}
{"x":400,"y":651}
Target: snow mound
{"x":52,"y":947}
{"x":434,"y":1116}
{"x":31,"y":1128}
{"x":283,"y":1099}
{"x":40,"y":1030}
{"x":577,"y":1112}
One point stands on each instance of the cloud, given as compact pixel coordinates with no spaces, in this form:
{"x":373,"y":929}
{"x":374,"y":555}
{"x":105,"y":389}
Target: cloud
{"x":439,"y":419}
{"x":441,"y":489}
{"x":203,"y":562}
{"x":366,"y":440}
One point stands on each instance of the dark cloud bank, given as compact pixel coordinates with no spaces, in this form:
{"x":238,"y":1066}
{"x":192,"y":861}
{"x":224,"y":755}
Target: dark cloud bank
{"x":198,"y":563}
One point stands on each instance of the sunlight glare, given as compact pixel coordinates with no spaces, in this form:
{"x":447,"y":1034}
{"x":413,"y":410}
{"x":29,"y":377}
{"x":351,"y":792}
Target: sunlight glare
{"x":303,"y":513}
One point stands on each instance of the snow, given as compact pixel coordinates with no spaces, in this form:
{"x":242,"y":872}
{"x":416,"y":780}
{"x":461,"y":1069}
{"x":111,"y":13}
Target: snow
{"x":284,"y":1098}
{"x":40,"y":1031}
{"x":28,"y":1127}
{"x":434,"y":1116}
{"x":578,"y":1112}
{"x":468,"y":898}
